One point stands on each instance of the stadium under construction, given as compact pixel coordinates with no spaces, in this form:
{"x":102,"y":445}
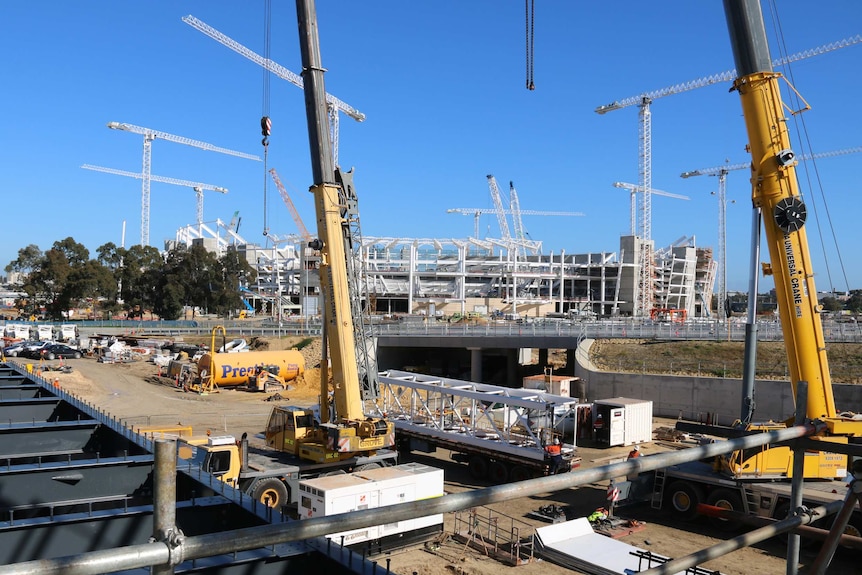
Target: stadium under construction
{"x":478,"y":277}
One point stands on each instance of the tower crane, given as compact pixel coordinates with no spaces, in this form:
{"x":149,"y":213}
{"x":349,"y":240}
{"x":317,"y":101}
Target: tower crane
{"x":198,"y":187}
{"x":303,"y":231}
{"x":498,"y":208}
{"x":333,"y":105}
{"x":149,"y":136}
{"x":515,"y":206}
{"x":721,"y":172}
{"x":643,"y":101}
{"x":634,"y":189}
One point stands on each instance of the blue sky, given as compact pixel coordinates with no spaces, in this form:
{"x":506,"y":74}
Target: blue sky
{"x":443,"y":86}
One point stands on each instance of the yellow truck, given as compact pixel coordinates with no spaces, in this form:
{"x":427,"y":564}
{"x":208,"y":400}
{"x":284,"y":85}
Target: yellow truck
{"x":271,"y":476}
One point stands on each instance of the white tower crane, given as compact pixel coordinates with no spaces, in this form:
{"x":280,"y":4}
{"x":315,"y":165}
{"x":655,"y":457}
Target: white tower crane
{"x":198,"y":187}
{"x":645,"y":146}
{"x":515,"y":207}
{"x":300,"y":225}
{"x":721,"y":172}
{"x":634,"y":189}
{"x":333,"y":104}
{"x":149,"y":136}
{"x":499,"y":209}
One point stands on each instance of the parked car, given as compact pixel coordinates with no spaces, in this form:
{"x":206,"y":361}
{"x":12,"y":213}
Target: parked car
{"x":22,"y":348}
{"x":59,"y":351}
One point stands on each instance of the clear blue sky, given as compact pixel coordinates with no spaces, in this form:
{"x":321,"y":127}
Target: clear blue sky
{"x":443,"y":86}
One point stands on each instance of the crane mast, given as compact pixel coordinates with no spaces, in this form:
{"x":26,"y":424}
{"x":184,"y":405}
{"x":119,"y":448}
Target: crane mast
{"x":335,"y":204}
{"x":775,"y":191}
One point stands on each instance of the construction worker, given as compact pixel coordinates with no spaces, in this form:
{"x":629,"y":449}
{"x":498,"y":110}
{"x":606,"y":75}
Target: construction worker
{"x":635,"y":452}
{"x":556,"y":452}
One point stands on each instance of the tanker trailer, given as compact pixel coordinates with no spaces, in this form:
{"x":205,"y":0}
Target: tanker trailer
{"x":234,"y":369}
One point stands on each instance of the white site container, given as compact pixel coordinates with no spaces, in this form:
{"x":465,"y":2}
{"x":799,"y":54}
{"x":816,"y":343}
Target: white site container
{"x":553,"y":384}
{"x":626,"y":421}
{"x":368,"y":490}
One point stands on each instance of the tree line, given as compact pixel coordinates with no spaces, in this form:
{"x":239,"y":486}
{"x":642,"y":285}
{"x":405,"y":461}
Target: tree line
{"x":130,"y":281}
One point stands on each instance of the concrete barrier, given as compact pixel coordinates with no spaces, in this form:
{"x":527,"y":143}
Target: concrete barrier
{"x":694,"y":397}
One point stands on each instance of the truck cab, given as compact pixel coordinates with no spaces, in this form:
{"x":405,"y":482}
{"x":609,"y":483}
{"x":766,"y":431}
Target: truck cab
{"x":217,"y":455}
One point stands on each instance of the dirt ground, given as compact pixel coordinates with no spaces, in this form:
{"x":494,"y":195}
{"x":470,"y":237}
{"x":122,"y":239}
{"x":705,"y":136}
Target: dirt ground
{"x":132,"y":393}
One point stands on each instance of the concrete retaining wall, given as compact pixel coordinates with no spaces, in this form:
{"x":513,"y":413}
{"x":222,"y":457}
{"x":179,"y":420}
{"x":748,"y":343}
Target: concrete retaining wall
{"x":694,"y":397}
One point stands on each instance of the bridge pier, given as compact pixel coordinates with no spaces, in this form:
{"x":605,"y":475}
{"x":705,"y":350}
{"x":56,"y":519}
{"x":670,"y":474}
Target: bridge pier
{"x":475,"y":363}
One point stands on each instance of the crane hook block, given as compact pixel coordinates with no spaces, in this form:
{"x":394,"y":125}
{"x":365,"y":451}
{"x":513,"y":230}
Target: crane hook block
{"x":265,"y":126}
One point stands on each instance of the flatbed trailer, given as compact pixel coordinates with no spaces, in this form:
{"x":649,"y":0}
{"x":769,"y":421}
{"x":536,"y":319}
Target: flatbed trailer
{"x":501,"y":433}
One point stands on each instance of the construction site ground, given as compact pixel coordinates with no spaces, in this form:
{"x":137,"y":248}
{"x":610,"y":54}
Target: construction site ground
{"x":133,"y":393}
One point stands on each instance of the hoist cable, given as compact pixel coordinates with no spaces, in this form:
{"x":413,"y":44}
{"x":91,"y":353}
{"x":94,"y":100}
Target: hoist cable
{"x":805,"y":144}
{"x":530,"y":12}
{"x":265,"y":123}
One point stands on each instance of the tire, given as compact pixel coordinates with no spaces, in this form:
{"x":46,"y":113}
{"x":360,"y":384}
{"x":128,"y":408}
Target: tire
{"x":77,"y":355}
{"x":521,"y":473}
{"x":683,"y":498}
{"x":498,"y":472}
{"x":49,"y":356}
{"x":478,"y":467}
{"x":368,"y":466}
{"x":271,"y":492}
{"x":726,"y":499}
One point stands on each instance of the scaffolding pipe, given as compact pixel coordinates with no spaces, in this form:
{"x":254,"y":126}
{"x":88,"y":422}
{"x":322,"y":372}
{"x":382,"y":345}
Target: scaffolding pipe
{"x":827,"y":551}
{"x":794,"y":543}
{"x":196,"y":547}
{"x":165,"y":502}
{"x":808,"y":531}
{"x":680,"y":565}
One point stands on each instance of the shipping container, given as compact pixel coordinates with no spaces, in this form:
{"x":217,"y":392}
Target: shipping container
{"x":370,"y":489}
{"x":624,"y":421}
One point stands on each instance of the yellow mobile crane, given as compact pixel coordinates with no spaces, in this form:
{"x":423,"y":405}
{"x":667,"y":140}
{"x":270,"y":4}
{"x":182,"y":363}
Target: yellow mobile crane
{"x":344,"y":430}
{"x":748,"y":481}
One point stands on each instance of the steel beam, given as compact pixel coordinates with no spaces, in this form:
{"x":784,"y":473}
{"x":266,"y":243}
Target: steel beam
{"x":31,"y":486}
{"x":19,"y":440}
{"x":28,"y":410}
{"x":24,"y":391}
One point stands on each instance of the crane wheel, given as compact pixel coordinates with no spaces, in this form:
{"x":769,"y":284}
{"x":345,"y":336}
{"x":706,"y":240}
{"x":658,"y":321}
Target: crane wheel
{"x":368,"y":466}
{"x":272,"y":493}
{"x":498,"y":472}
{"x":683,"y":498}
{"x":726,"y":499}
{"x":478,"y":467}
{"x":521,"y":473}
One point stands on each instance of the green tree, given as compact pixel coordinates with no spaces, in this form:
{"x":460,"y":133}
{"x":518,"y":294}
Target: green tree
{"x":236,"y":273}
{"x":137,"y":287}
{"x":854,"y":304}
{"x":28,"y":260}
{"x":830,"y":303}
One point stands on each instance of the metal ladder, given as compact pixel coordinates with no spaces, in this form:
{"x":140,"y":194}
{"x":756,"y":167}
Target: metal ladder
{"x":658,"y":488}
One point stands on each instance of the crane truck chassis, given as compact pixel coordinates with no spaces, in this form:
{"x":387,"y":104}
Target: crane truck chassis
{"x":268,"y":476}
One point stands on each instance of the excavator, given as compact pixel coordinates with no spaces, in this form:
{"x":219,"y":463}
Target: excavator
{"x":343,"y":430}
